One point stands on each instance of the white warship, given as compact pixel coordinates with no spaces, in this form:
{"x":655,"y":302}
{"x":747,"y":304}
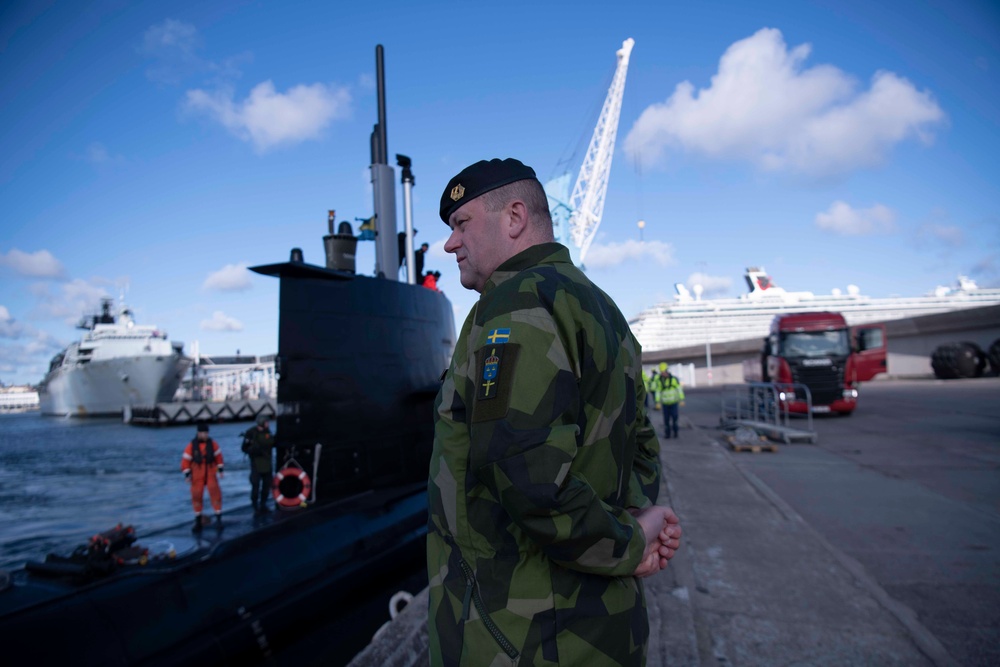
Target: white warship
{"x":691,"y":320}
{"x":117,"y":363}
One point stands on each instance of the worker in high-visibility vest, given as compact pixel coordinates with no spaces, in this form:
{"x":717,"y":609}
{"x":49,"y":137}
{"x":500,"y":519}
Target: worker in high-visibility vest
{"x":670,"y":394}
{"x":651,"y":384}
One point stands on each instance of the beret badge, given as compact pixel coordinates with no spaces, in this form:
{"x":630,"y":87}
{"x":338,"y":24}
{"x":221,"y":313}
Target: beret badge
{"x":457,"y":192}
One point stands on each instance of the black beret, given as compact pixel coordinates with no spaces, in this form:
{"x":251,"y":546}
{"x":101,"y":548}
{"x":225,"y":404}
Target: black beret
{"x":480,"y":178}
{"x":202,"y":426}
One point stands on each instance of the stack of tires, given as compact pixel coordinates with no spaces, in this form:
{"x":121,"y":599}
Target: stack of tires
{"x":963,"y":360}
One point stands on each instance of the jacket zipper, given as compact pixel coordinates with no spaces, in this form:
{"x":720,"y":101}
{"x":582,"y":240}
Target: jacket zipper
{"x":472,"y":591}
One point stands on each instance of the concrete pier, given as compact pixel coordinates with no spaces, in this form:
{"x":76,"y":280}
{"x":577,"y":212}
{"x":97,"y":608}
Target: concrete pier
{"x":878,"y":545}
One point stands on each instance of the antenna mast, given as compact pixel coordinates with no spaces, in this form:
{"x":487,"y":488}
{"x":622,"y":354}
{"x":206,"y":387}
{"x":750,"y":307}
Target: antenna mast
{"x":587,"y":200}
{"x":383,"y":186}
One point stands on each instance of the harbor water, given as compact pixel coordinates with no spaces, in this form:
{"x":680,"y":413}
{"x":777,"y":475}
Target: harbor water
{"x":64,"y":480}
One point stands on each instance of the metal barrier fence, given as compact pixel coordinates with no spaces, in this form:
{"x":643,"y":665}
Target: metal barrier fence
{"x":763,"y":406}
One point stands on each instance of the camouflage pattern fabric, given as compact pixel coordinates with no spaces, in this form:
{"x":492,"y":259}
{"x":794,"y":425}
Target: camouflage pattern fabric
{"x":541,"y":446}
{"x":261,"y":444}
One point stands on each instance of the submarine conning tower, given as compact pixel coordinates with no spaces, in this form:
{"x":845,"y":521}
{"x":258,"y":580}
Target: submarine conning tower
{"x":360,"y":358}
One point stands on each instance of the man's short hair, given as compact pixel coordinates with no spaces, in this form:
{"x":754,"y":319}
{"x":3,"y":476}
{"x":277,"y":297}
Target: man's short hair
{"x":529,"y":191}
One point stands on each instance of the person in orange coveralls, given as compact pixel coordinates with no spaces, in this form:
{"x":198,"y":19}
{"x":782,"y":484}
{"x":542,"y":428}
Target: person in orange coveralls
{"x":430,"y":280}
{"x":202,"y":466}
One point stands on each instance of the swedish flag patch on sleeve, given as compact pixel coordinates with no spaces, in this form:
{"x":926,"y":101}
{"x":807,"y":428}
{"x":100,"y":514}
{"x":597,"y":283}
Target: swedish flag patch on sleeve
{"x":498,"y":336}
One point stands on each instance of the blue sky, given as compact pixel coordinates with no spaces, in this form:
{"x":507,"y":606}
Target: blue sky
{"x":166,"y":146}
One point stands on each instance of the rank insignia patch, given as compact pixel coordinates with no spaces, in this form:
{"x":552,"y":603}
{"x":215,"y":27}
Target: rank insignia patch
{"x":494,"y":380}
{"x":498,"y":336}
{"x":488,"y":383}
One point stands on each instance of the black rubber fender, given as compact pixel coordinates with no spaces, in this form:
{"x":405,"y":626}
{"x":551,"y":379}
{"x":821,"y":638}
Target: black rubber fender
{"x":958,"y":360}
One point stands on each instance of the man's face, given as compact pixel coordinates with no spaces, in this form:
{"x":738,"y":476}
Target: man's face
{"x":203,"y":435}
{"x":478,"y":242}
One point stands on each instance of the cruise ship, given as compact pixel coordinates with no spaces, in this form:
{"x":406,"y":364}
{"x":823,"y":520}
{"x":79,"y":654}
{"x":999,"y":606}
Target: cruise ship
{"x":116,"y":363}
{"x":690,"y":320}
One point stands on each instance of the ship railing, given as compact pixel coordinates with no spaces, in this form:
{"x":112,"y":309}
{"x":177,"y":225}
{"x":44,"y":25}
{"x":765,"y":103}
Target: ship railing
{"x":765,"y":407}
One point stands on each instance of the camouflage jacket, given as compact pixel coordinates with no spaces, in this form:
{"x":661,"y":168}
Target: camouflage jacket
{"x":258,"y":447}
{"x":541,"y":444}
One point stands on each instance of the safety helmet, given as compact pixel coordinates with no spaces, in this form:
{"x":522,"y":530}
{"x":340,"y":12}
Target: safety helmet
{"x":663,"y":367}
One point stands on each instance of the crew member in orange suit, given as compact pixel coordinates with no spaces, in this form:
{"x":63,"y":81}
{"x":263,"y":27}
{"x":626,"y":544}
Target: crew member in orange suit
{"x":202,"y":466}
{"x":430,"y":280}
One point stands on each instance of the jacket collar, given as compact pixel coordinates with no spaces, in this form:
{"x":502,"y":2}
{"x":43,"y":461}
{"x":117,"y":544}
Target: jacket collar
{"x":536,"y":255}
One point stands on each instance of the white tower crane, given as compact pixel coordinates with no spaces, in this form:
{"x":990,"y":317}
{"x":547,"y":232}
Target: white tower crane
{"x":587,"y":201}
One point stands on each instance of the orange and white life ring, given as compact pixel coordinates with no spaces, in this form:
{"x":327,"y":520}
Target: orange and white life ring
{"x":291,"y":487}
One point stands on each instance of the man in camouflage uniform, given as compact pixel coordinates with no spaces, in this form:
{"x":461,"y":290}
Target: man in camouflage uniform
{"x":545,"y":467}
{"x":257,"y":444}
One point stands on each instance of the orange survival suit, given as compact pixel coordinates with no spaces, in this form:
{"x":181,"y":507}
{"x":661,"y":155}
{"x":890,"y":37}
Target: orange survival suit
{"x":202,"y":464}
{"x":430,"y":281}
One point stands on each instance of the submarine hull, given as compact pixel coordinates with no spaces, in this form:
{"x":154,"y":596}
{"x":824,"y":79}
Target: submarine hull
{"x":233,"y":600}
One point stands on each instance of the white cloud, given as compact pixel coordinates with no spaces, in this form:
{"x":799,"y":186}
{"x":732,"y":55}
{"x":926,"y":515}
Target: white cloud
{"x":841,"y":218}
{"x":40,"y":264}
{"x":711,"y":285}
{"x":28,"y":360}
{"x":11,"y":328}
{"x":171,"y":45}
{"x":950,"y":235}
{"x":71,"y":301}
{"x":765,"y":107}
{"x":38,"y":340}
{"x":221,"y":322}
{"x":987,"y":269}
{"x":97,"y":153}
{"x":24,"y":350}
{"x":171,"y":35}
{"x":267,"y":118}
{"x":602,"y":256}
{"x":230,"y":278}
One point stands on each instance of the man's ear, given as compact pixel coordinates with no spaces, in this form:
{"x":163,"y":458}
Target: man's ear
{"x":517,"y":218}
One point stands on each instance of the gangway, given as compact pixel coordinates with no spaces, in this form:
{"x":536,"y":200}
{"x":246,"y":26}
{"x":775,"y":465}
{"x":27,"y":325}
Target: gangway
{"x":762,"y":407}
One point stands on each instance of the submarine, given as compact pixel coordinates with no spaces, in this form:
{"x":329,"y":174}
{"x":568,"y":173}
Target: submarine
{"x":359,"y":363}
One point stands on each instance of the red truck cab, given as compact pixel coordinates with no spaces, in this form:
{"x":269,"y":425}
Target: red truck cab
{"x":820,"y":351}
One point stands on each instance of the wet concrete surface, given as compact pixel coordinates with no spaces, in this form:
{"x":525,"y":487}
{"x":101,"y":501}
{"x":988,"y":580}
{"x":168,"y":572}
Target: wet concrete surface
{"x":908,"y":488}
{"x":877,"y":545}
